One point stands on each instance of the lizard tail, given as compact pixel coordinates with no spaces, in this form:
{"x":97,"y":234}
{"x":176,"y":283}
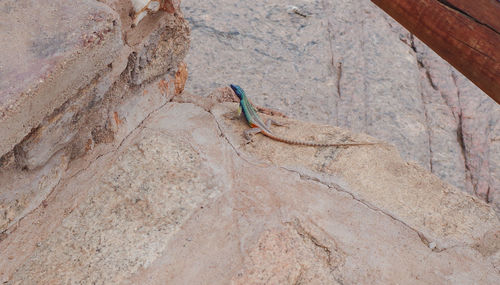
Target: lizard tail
{"x":311,"y":143}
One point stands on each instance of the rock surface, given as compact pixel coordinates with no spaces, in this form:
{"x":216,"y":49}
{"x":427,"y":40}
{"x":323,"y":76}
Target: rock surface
{"x":61,"y":94}
{"x":95,"y":55}
{"x":51,"y":50}
{"x":348,"y":64}
{"x":130,"y":181}
{"x":183,"y":200}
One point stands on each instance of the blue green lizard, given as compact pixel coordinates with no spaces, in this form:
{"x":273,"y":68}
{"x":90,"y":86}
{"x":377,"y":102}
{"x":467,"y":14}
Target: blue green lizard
{"x":257,"y":126}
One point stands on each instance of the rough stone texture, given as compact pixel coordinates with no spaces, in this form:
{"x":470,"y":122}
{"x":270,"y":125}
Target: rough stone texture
{"x":349,"y":64}
{"x":464,"y":127}
{"x":132,"y":200}
{"x":29,"y":192}
{"x":160,"y":40}
{"x":23,"y":191}
{"x":164,"y":49}
{"x":162,"y":53}
{"x":179,"y":198}
{"x":85,"y":117}
{"x":101,"y":111}
{"x":50,"y":50}
{"x":392,"y":192}
{"x":123,"y":187}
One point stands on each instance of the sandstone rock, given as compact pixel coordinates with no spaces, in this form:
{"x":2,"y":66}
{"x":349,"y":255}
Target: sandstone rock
{"x":162,"y":51}
{"x":22,"y":192}
{"x":182,"y":199}
{"x":100,"y":111}
{"x":17,"y":198}
{"x":51,"y":49}
{"x":85,"y":117}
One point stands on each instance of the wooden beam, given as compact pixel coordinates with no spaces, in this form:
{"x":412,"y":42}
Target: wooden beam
{"x":487,"y":11}
{"x":465,"y":33}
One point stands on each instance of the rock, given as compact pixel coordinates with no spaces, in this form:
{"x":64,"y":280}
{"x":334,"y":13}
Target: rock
{"x":118,"y":184}
{"x":84,"y":117}
{"x":348,"y":64}
{"x":51,"y":50}
{"x":183,"y":200}
{"x":18,"y":198}
{"x":22,"y":191}
{"x":461,"y":114}
{"x":164,"y":51}
{"x":100,"y":111}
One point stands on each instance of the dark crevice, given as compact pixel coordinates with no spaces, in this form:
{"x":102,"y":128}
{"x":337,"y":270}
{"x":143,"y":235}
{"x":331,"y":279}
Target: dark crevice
{"x":339,"y":77}
{"x":306,"y":235}
{"x":428,"y":131}
{"x":488,"y":198}
{"x":412,"y":43}
{"x":409,"y":41}
{"x":332,"y":65}
{"x":424,"y":104}
{"x":460,"y":137}
{"x":461,"y":142}
{"x":429,"y":78}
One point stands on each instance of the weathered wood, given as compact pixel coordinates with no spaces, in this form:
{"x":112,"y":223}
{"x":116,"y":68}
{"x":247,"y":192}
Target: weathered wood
{"x":485,"y":11}
{"x":464,"y":33}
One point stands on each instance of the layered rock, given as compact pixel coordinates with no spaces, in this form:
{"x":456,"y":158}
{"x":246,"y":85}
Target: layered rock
{"x":62,"y":82}
{"x":56,"y":50}
{"x":69,"y":74}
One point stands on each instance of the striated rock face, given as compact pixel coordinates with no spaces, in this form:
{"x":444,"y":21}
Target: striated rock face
{"x":182,"y":199}
{"x":70,"y":75}
{"x":62,"y":82}
{"x":348,"y":64}
{"x":56,"y":49}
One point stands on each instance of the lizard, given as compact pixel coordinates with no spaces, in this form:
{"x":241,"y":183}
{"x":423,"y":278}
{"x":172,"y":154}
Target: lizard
{"x":257,"y":125}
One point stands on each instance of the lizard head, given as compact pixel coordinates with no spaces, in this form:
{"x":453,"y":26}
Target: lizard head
{"x":238,"y":91}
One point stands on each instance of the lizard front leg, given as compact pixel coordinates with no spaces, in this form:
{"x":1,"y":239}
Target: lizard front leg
{"x":239,"y":114}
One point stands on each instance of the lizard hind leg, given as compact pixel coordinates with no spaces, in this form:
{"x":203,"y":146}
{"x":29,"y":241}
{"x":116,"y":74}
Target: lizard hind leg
{"x":250,"y":132}
{"x":271,"y":122}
